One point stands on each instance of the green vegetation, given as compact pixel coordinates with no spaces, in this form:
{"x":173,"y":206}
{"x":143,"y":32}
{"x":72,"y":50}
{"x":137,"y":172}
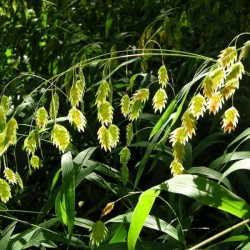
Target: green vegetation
{"x":124,"y":125}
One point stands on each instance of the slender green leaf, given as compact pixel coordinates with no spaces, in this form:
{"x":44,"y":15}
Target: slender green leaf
{"x":140,"y":214}
{"x":6,"y":234}
{"x":242,"y":164}
{"x":209,"y":173}
{"x":239,"y":155}
{"x":207,"y":192}
{"x":68,"y":189}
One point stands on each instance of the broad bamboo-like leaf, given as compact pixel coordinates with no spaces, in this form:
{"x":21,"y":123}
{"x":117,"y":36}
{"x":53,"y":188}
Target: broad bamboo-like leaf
{"x":125,"y":155}
{"x":54,"y":106}
{"x":115,"y":135}
{"x":163,"y":76}
{"x":197,"y":106}
{"x":41,"y":117}
{"x":207,"y":192}
{"x":10,"y":176}
{"x":102,"y":92}
{"x":129,"y":134}
{"x":68,"y":190}
{"x":6,"y":236}
{"x":227,"y":57}
{"x":105,"y":113}
{"x":214,"y":104}
{"x":98,"y":233}
{"x":77,"y":119}
{"x":5,"y":193}
{"x":60,"y":137}
{"x":140,"y":214}
{"x":242,"y":164}
{"x":230,"y":119}
{"x":30,"y":143}
{"x":125,"y":105}
{"x":159,"y":100}
{"x":104,"y":138}
{"x":35,"y":161}
{"x":135,"y":111}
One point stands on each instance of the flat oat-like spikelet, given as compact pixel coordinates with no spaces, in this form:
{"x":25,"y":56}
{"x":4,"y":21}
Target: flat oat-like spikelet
{"x":5,"y":193}
{"x":176,"y":167}
{"x":105,"y":113}
{"x":230,"y":119}
{"x":198,"y":105}
{"x":98,"y":233}
{"x":135,"y":110}
{"x":159,"y":100}
{"x":77,"y":118}
{"x":104,"y":138}
{"x":227,"y":57}
{"x":35,"y":161}
{"x":54,"y":106}
{"x":41,"y":117}
{"x":189,"y":123}
{"x":163,"y":76}
{"x":215,"y":103}
{"x":10,"y":176}
{"x":179,"y":135}
{"x":10,"y":132}
{"x":30,"y":143}
{"x":60,"y":137}
{"x":102,"y":92}
{"x":115,"y":134}
{"x":129,"y":134}
{"x":125,"y":105}
{"x":125,"y":155}
{"x":140,"y":94}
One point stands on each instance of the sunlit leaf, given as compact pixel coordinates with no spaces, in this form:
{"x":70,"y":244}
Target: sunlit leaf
{"x":139,"y":216}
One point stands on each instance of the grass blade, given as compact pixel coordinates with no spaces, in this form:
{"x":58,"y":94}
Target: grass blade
{"x":207,"y":192}
{"x":140,"y":215}
{"x":68,"y":189}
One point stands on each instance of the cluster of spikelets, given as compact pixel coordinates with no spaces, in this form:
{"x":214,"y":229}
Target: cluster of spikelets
{"x":218,"y":86}
{"x":59,"y":135}
{"x":8,"y":131}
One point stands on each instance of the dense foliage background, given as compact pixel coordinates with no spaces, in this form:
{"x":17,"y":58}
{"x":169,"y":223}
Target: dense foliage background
{"x":47,"y":43}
